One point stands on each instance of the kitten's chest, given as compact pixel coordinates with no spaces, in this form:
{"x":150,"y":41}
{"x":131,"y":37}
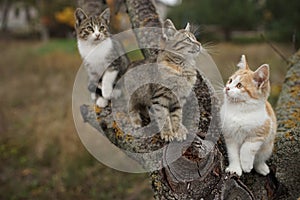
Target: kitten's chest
{"x":236,"y":120}
{"x":95,"y":56}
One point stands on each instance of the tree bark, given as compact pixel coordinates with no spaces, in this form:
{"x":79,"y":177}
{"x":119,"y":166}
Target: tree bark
{"x":199,"y":172}
{"x":287,"y":145}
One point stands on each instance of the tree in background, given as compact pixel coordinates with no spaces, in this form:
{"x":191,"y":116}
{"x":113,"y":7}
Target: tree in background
{"x":55,"y":17}
{"x":229,"y":15}
{"x":51,"y":21}
{"x":283,"y":19}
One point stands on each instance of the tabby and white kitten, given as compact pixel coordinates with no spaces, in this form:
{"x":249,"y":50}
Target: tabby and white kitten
{"x":97,"y":51}
{"x":249,"y":122}
{"x":175,"y":65}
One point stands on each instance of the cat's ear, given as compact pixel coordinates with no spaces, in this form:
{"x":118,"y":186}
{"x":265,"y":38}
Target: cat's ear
{"x":80,"y":16}
{"x":105,"y":15}
{"x":188,"y":27}
{"x":243,"y":63}
{"x":168,"y":29}
{"x":261,"y":75}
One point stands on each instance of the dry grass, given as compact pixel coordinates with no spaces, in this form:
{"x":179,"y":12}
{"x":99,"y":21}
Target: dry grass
{"x":40,"y":153}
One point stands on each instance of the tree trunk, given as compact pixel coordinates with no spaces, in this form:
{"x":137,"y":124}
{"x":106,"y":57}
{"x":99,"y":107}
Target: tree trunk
{"x":287,"y":146}
{"x":44,"y":32}
{"x":92,"y":7}
{"x":6,"y":6}
{"x":227,"y":34}
{"x":199,"y":172}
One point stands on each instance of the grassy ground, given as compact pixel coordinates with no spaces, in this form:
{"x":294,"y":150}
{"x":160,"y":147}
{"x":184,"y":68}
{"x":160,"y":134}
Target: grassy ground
{"x":41,"y":156}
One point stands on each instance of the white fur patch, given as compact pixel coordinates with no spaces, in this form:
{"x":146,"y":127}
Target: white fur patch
{"x":108,"y":80}
{"x":101,"y":102}
{"x":94,"y":54}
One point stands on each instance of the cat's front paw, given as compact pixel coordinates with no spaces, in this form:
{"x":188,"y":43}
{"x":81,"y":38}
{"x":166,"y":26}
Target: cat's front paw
{"x":167,"y":135}
{"x":234,"y":169}
{"x":101,"y":102}
{"x":262,"y":168}
{"x":247,"y":165}
{"x":181,"y":133}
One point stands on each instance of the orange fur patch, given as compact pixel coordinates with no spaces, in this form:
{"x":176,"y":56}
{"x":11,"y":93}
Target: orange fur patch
{"x":173,"y":66}
{"x":249,"y":86}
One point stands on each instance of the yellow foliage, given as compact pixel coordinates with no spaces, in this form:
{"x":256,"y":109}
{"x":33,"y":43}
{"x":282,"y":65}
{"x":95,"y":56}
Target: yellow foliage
{"x":66,"y":16}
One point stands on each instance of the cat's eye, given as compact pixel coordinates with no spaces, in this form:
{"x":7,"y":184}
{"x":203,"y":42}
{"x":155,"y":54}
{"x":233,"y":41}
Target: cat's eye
{"x":239,"y":85}
{"x":101,"y":28}
{"x":230,"y":81}
{"x":89,"y":28}
{"x":188,"y":39}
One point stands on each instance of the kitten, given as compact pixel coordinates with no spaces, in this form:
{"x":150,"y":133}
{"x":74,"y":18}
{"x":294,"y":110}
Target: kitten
{"x":98,"y":51}
{"x":174,"y":62}
{"x":249,"y":122}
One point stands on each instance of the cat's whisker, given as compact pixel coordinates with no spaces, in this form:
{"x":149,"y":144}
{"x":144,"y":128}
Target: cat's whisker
{"x":210,"y":48}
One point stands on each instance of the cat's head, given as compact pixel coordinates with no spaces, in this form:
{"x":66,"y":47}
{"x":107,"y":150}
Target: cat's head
{"x":246,"y":86}
{"x":92,"y":28}
{"x":182,"y":42}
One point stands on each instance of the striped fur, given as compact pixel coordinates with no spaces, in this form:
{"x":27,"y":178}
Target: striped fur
{"x":98,"y":52}
{"x":162,"y":104}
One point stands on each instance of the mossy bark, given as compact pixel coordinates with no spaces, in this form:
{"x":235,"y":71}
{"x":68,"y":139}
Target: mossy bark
{"x":287,"y":146}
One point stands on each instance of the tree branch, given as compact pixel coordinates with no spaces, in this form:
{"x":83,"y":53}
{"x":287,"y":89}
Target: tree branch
{"x":199,"y":172}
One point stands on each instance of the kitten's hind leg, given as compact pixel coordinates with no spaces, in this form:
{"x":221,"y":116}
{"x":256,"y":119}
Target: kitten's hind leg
{"x":264,"y":153}
{"x":135,"y":117}
{"x":179,"y":129}
{"x":161,"y":114}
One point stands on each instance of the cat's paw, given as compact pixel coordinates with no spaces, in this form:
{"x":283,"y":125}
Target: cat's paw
{"x":167,"y":135}
{"x":234,"y":169}
{"x":101,"y":102}
{"x":247,"y":165}
{"x":262,"y":168}
{"x":181,"y":133}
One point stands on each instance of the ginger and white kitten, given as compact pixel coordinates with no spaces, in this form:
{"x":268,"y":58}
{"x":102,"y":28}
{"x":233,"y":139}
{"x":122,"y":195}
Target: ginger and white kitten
{"x":249,"y":122}
{"x":97,"y":51}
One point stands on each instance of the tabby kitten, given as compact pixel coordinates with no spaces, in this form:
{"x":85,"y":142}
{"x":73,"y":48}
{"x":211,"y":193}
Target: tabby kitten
{"x":175,"y":68}
{"x":97,"y":50}
{"x":249,"y":123}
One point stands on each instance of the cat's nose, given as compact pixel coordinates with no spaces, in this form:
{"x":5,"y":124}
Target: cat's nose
{"x":227,"y":88}
{"x":97,"y":35}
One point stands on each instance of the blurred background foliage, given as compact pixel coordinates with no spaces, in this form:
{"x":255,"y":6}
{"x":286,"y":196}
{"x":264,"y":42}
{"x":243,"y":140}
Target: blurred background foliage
{"x":217,"y":19}
{"x":279,"y":20}
{"x":41,"y":156}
